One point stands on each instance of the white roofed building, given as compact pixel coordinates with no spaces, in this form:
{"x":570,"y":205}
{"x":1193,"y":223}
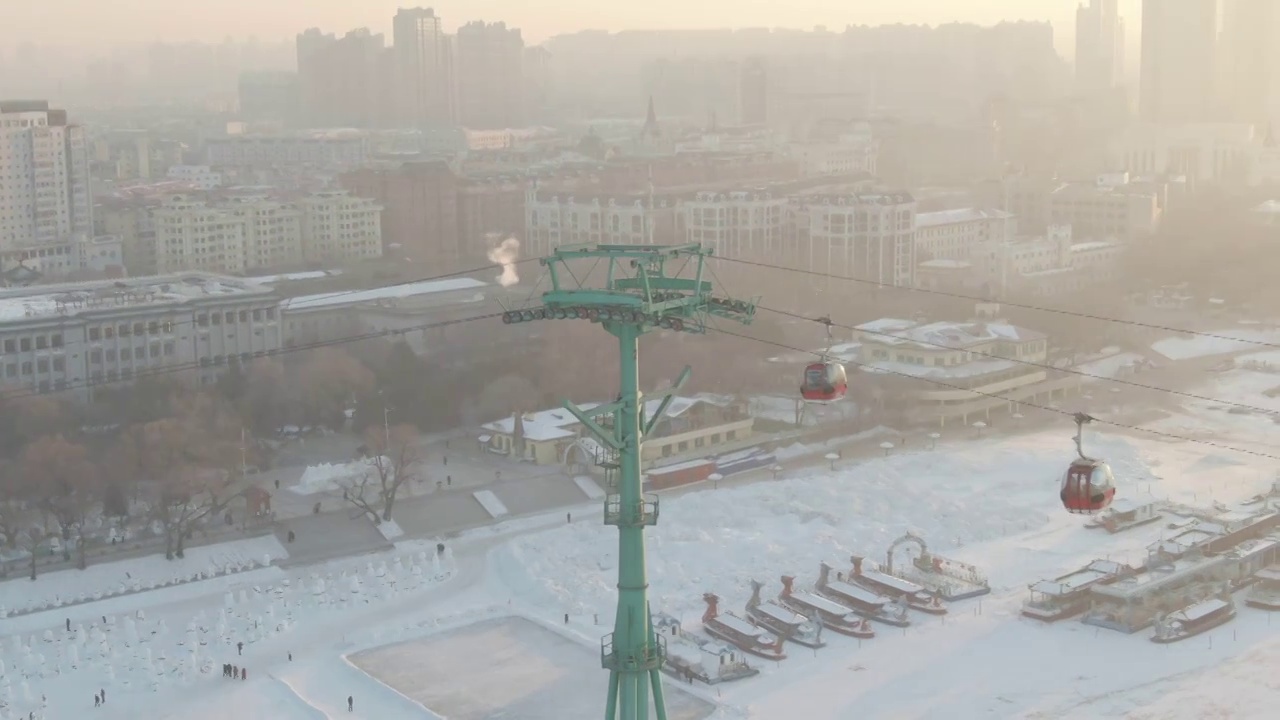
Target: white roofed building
{"x":76,"y":336}
{"x":957,"y":234}
{"x":691,"y":426}
{"x":951,"y":370}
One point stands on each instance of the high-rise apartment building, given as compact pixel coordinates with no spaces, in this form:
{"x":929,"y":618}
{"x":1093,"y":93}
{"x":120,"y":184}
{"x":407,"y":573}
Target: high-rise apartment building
{"x":490,"y":59}
{"x":420,"y":210}
{"x":1099,"y":46}
{"x":1179,"y":46}
{"x":259,"y":232}
{"x":190,"y":235}
{"x":753,"y":93}
{"x":424,"y":69}
{"x":44,"y":177}
{"x":339,"y":227}
{"x":272,"y":231}
{"x":269,"y":96}
{"x":341,"y":80}
{"x":1251,"y":58}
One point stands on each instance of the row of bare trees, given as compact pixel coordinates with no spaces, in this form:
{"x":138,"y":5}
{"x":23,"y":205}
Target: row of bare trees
{"x":174,"y":471}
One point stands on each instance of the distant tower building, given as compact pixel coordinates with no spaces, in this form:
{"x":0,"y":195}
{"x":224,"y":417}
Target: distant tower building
{"x":424,"y":68}
{"x":1099,"y":46}
{"x":271,"y":96}
{"x":44,"y":176}
{"x":1178,"y":61}
{"x":753,"y":92}
{"x":491,"y":89}
{"x":315,"y":67}
{"x":537,"y":78}
{"x":1251,"y":58}
{"x":340,"y":80}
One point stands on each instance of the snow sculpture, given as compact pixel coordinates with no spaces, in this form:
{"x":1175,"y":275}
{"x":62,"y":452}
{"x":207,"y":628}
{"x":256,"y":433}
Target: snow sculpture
{"x":130,"y":632}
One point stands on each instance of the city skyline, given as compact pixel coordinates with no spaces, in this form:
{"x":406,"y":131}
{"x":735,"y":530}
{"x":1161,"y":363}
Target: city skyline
{"x":282,"y":19}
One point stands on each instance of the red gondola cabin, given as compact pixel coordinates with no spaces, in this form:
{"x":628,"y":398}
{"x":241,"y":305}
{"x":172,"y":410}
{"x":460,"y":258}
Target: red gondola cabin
{"x":824,"y":382}
{"x":1087,"y":487}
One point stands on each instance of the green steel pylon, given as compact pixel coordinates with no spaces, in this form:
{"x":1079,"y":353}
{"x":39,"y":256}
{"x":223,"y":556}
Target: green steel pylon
{"x":638,"y":296}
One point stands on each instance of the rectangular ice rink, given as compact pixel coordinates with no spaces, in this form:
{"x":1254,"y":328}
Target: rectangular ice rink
{"x":506,"y":668}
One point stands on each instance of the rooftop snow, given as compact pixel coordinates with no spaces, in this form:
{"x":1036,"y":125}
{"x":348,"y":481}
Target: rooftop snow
{"x":1150,"y":581}
{"x":960,"y":215}
{"x":294,"y":277}
{"x":542,"y":425}
{"x":1092,"y":245}
{"x":391,"y":292}
{"x":555,"y":424}
{"x":76,"y":298}
{"x":889,"y":331}
{"x":943,"y":263}
{"x":969,"y":369}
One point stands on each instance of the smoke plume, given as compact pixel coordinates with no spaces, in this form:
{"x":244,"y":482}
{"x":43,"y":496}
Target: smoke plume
{"x":506,"y":255}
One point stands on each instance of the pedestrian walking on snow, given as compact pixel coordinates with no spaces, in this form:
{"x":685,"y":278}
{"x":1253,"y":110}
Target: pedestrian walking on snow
{"x":351,"y":704}
{"x":68,"y":624}
{"x":104,"y":696}
{"x":97,"y":701}
{"x":240,"y":648}
{"x":244,"y":674}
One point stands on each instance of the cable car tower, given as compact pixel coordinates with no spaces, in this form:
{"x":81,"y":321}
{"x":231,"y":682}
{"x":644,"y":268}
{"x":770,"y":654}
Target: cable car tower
{"x":640,"y":294}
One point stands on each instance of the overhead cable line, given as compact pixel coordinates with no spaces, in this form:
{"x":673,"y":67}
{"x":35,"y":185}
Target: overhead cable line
{"x":189,"y":366}
{"x":168,"y":369}
{"x":1059,"y":411}
{"x":975,"y":298}
{"x":1031,"y":363}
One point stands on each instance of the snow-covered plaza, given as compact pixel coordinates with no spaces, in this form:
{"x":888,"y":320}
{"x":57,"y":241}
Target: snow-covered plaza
{"x":506,"y":621}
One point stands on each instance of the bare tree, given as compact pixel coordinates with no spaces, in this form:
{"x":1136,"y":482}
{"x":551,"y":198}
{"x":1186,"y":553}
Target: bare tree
{"x":189,"y":461}
{"x":11,"y":503}
{"x":327,"y":383}
{"x":393,"y":460}
{"x":33,"y":535}
{"x":189,"y":496}
{"x":64,"y":485}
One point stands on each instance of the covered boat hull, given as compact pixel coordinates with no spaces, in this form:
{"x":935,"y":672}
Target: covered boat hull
{"x":1190,"y":630}
{"x":870,"y":612}
{"x":789,"y":631}
{"x":746,"y":643}
{"x":842,"y":624}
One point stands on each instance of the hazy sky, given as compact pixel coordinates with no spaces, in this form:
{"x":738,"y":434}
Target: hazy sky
{"x":99,"y":22}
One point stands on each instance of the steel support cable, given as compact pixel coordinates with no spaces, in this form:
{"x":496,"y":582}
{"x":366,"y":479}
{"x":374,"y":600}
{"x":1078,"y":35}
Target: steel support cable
{"x":196,"y":365}
{"x":975,"y":298}
{"x":1112,"y":423}
{"x":1030,"y":363}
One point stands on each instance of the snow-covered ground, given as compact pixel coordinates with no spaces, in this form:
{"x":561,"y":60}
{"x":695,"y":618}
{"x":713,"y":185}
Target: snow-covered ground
{"x":67,"y":587}
{"x":1118,"y":364}
{"x":1229,"y":340}
{"x":484,"y":621}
